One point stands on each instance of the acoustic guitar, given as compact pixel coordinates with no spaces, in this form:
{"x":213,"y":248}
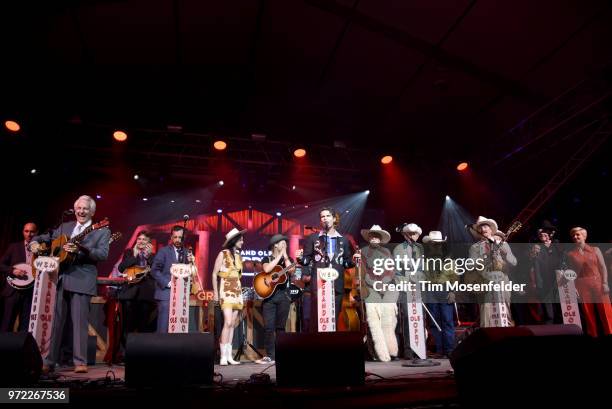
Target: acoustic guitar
{"x":265,"y":283}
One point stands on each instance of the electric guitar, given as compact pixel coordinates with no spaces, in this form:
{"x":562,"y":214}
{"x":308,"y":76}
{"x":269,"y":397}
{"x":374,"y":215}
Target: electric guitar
{"x":265,"y":283}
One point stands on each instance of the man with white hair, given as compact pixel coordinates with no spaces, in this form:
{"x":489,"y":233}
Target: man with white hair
{"x":77,"y":281}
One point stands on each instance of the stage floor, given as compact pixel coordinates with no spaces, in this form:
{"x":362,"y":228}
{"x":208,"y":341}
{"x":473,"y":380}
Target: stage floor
{"x":387,"y":385}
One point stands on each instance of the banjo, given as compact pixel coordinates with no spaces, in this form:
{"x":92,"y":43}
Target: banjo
{"x":21,"y":283}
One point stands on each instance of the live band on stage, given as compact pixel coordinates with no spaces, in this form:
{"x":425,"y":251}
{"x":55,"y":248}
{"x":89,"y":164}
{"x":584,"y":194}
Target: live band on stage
{"x":324,"y":282}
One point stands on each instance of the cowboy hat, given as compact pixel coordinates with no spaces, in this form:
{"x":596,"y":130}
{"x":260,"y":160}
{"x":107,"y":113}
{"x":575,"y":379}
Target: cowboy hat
{"x":276,"y":238}
{"x":233,"y":234}
{"x":434,"y":237}
{"x":475,"y":228}
{"x":376,"y":229}
{"x":547,"y":227}
{"x":411,"y":228}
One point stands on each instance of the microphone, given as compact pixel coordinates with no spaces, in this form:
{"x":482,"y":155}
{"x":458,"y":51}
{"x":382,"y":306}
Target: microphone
{"x":186,"y":217}
{"x":68,"y":212}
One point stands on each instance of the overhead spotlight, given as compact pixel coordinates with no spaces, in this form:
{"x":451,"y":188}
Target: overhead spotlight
{"x":98,"y":197}
{"x":293,"y":187}
{"x":120,"y":136}
{"x":220,"y":145}
{"x":299,"y":153}
{"x":33,"y":171}
{"x":221,"y":183}
{"x":219,"y":211}
{"x":12,"y":126}
{"x":136,"y":177}
{"x":144,"y":199}
{"x":462,"y":166}
{"x":367,"y":192}
{"x":346,"y":211}
{"x":278,"y":214}
{"x":386,"y":159}
{"x":305,"y":206}
{"x":197,"y":200}
{"x":447,"y":197}
{"x":172,"y":201}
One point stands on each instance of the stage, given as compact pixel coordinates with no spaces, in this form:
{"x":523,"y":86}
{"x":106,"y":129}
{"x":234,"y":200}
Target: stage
{"x":387,"y":385}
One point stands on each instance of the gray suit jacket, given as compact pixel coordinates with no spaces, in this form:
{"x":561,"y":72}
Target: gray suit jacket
{"x":81,"y":275}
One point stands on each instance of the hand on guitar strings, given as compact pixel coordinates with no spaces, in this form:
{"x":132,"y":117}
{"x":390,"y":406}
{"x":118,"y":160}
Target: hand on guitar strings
{"x":19,"y":273}
{"x":70,"y":248}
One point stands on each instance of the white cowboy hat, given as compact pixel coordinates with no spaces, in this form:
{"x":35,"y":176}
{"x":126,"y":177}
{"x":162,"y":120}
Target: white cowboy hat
{"x":434,"y":237}
{"x":475,"y":231}
{"x":412,"y":228}
{"x":384,"y":235}
{"x":231,"y":234}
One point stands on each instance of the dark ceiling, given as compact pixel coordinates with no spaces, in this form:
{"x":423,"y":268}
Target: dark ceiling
{"x":433,"y":82}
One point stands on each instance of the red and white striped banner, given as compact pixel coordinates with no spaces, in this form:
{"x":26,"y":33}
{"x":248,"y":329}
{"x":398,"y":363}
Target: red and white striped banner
{"x":416,"y":323}
{"x":568,"y":297}
{"x":326,"y":304}
{"x":180,"y":289}
{"x":43,"y":302}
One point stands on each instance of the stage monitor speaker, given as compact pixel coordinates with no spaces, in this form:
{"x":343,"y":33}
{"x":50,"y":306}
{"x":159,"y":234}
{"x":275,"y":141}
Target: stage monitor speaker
{"x":547,"y":364}
{"x":320,"y":359}
{"x":153,"y":359}
{"x":20,"y":359}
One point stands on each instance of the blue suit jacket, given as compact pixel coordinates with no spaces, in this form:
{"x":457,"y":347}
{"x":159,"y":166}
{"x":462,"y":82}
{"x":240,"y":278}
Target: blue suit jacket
{"x":161,"y":271}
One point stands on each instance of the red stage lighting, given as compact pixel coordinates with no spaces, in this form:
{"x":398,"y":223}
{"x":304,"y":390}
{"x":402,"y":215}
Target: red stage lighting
{"x":120,"y":136}
{"x":12,"y":126}
{"x":462,"y":166}
{"x":299,"y":153}
{"x":220,"y":145}
{"x":386,"y":159}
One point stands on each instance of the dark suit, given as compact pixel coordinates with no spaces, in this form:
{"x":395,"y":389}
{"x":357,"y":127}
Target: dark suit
{"x":136,"y":299}
{"x":14,"y":302}
{"x":75,"y":287}
{"x":342,"y":258}
{"x":161,"y":273}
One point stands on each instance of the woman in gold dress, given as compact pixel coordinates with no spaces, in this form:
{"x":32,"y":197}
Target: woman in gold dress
{"x":228,"y":291}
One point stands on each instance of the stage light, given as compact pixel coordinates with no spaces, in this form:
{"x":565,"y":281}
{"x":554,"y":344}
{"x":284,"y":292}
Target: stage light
{"x":197,"y":200}
{"x":367,"y":192}
{"x":120,"y":136}
{"x":278,"y":214}
{"x":447,"y":197}
{"x":346,"y":211}
{"x":293,"y":187}
{"x":12,"y":126}
{"x":171,"y":201}
{"x":386,"y":159}
{"x":33,"y":171}
{"x":136,"y":177}
{"x":144,"y":199}
{"x":219,"y":211}
{"x":299,"y":153}
{"x":220,"y":145}
{"x":98,"y":196}
{"x":462,"y":166}
{"x":221,"y":183}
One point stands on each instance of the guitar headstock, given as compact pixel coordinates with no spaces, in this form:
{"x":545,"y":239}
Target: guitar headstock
{"x":514,"y":227}
{"x":102,"y":223}
{"x":115,"y":236}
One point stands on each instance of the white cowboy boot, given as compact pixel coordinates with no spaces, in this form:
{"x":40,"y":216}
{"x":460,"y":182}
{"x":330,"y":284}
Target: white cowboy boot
{"x":223,"y":360}
{"x":228,"y":349}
